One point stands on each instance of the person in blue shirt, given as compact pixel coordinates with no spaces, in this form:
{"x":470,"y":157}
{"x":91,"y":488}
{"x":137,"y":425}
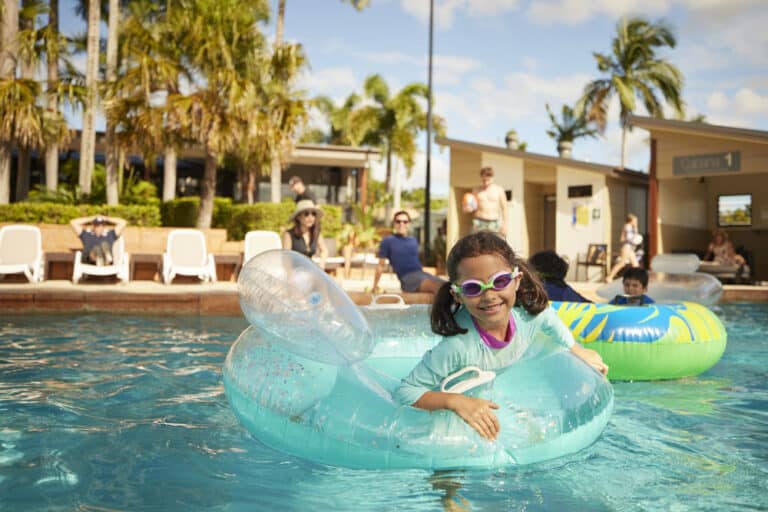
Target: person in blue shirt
{"x":552,"y":269}
{"x":635,"y":281}
{"x":402,"y":251}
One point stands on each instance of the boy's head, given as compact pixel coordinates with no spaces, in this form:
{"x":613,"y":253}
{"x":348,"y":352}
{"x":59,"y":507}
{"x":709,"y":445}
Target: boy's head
{"x":635,"y":281}
{"x":549,"y":265}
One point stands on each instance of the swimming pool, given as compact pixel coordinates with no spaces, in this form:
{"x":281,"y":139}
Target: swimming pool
{"x":128,"y":413}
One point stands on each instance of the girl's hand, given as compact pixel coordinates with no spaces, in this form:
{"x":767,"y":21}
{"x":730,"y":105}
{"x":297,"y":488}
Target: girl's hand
{"x":590,"y":357}
{"x":478,"y":414}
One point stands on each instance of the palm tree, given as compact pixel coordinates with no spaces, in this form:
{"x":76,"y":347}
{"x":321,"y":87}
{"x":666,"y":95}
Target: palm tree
{"x":392,"y":122}
{"x":225,"y":53}
{"x":267,"y":134}
{"x":570,"y":128}
{"x":111,"y":76}
{"x":338,"y":119}
{"x":28,"y":61}
{"x":151,"y":66}
{"x":276,"y":171}
{"x":88,"y":133}
{"x":52,"y":65}
{"x":634,"y":71}
{"x":9,"y":26}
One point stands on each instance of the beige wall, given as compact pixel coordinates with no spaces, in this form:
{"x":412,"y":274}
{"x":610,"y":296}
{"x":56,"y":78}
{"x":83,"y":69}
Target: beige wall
{"x":534,"y":212}
{"x":465,"y":174}
{"x":573,"y":240}
{"x":508,"y":173}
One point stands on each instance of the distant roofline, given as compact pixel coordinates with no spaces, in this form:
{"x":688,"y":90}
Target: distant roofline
{"x":331,"y":147}
{"x":536,"y":157}
{"x":698,"y":128}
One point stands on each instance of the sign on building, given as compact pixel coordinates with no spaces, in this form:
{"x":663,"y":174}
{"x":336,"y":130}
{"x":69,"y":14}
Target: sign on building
{"x":702,"y":164}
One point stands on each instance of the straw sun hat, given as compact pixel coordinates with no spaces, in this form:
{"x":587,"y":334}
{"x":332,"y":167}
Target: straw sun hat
{"x":306,"y":204}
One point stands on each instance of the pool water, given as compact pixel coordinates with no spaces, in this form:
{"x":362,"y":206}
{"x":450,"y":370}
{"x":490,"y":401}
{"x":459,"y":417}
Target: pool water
{"x":129,"y":413}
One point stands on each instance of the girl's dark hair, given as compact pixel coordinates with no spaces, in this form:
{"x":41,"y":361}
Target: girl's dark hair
{"x":314,"y":231}
{"x":530,"y":294}
{"x":550,"y":266}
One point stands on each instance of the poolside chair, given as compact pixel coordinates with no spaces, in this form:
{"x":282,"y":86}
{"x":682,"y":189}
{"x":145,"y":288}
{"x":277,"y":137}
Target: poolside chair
{"x":257,"y":242}
{"x":186,"y":255}
{"x":120,"y":264}
{"x":333,"y":262}
{"x":21,"y":251}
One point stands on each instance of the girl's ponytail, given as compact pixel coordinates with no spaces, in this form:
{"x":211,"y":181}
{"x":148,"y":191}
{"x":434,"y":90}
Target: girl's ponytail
{"x":442,"y":314}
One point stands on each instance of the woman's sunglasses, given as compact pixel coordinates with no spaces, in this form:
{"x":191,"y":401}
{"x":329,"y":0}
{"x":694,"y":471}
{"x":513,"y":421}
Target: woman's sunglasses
{"x":497,"y":282}
{"x":308,"y":213}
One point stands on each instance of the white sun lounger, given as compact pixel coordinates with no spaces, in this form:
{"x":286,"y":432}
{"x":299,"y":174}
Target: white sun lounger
{"x":186,"y":254}
{"x":21,"y":251}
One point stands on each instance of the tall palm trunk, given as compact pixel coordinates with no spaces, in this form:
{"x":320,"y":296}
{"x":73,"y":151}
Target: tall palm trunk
{"x":52,"y":149}
{"x":9,"y":26}
{"x":207,"y":192}
{"x":170,"y":162}
{"x":280,"y":22}
{"x":88,"y":135}
{"x":170,"y":157}
{"x":24,"y":162}
{"x":109,"y":142}
{"x":275,"y":180}
{"x":623,"y":146}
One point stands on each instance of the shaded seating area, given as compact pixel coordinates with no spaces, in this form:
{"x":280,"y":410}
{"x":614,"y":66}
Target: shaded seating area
{"x":21,"y":251}
{"x":186,"y":254}
{"x":120,"y":266}
{"x":595,"y":257}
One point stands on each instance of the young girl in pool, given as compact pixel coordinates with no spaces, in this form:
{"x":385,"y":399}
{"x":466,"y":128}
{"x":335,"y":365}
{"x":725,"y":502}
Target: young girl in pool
{"x":492,"y":309}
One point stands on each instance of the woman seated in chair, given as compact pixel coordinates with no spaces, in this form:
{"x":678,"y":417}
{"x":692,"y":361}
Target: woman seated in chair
{"x":630,"y":240}
{"x":304,"y":236}
{"x":721,"y":250}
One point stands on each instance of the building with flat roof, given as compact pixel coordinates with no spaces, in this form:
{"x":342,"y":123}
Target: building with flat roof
{"x":705,"y":177}
{"x":553,"y":202}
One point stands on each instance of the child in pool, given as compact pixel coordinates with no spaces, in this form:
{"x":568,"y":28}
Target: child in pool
{"x":492,"y":309}
{"x":553,"y":269}
{"x":635,"y":281}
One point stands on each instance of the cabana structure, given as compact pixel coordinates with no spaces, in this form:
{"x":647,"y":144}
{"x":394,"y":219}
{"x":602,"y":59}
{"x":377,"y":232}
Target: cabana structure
{"x":553,"y":202}
{"x":704,"y":177}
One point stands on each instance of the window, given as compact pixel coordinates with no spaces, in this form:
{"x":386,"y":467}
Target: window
{"x":734,"y":210}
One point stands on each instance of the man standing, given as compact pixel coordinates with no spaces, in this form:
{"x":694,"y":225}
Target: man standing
{"x":297,"y":186}
{"x":98,"y":241}
{"x":491,"y":212}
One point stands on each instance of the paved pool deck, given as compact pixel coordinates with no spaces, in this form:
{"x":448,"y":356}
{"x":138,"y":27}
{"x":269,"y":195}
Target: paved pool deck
{"x":153,"y":298}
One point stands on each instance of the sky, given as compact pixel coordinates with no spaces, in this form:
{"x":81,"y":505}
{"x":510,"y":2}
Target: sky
{"x":497,"y":63}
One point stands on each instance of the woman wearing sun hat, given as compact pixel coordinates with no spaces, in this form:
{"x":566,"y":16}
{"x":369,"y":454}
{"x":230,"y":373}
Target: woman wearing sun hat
{"x":304,"y":236}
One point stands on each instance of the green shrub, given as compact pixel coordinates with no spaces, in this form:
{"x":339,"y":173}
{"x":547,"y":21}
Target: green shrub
{"x":55,"y":213}
{"x":183,"y":212}
{"x":274,"y":217}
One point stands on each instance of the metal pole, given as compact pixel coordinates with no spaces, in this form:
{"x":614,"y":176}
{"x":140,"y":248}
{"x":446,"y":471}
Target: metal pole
{"x":429,"y":135}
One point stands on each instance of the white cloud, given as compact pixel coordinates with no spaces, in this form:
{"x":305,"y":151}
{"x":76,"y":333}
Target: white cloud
{"x":511,"y":104}
{"x":574,"y":12}
{"x":750,"y":103}
{"x":438,"y":172}
{"x":336,"y":82}
{"x":717,"y":101}
{"x":746,"y":108}
{"x":446,"y":11}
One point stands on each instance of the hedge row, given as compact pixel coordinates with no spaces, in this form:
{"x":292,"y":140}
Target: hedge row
{"x":237,"y":219}
{"x":55,"y":213}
